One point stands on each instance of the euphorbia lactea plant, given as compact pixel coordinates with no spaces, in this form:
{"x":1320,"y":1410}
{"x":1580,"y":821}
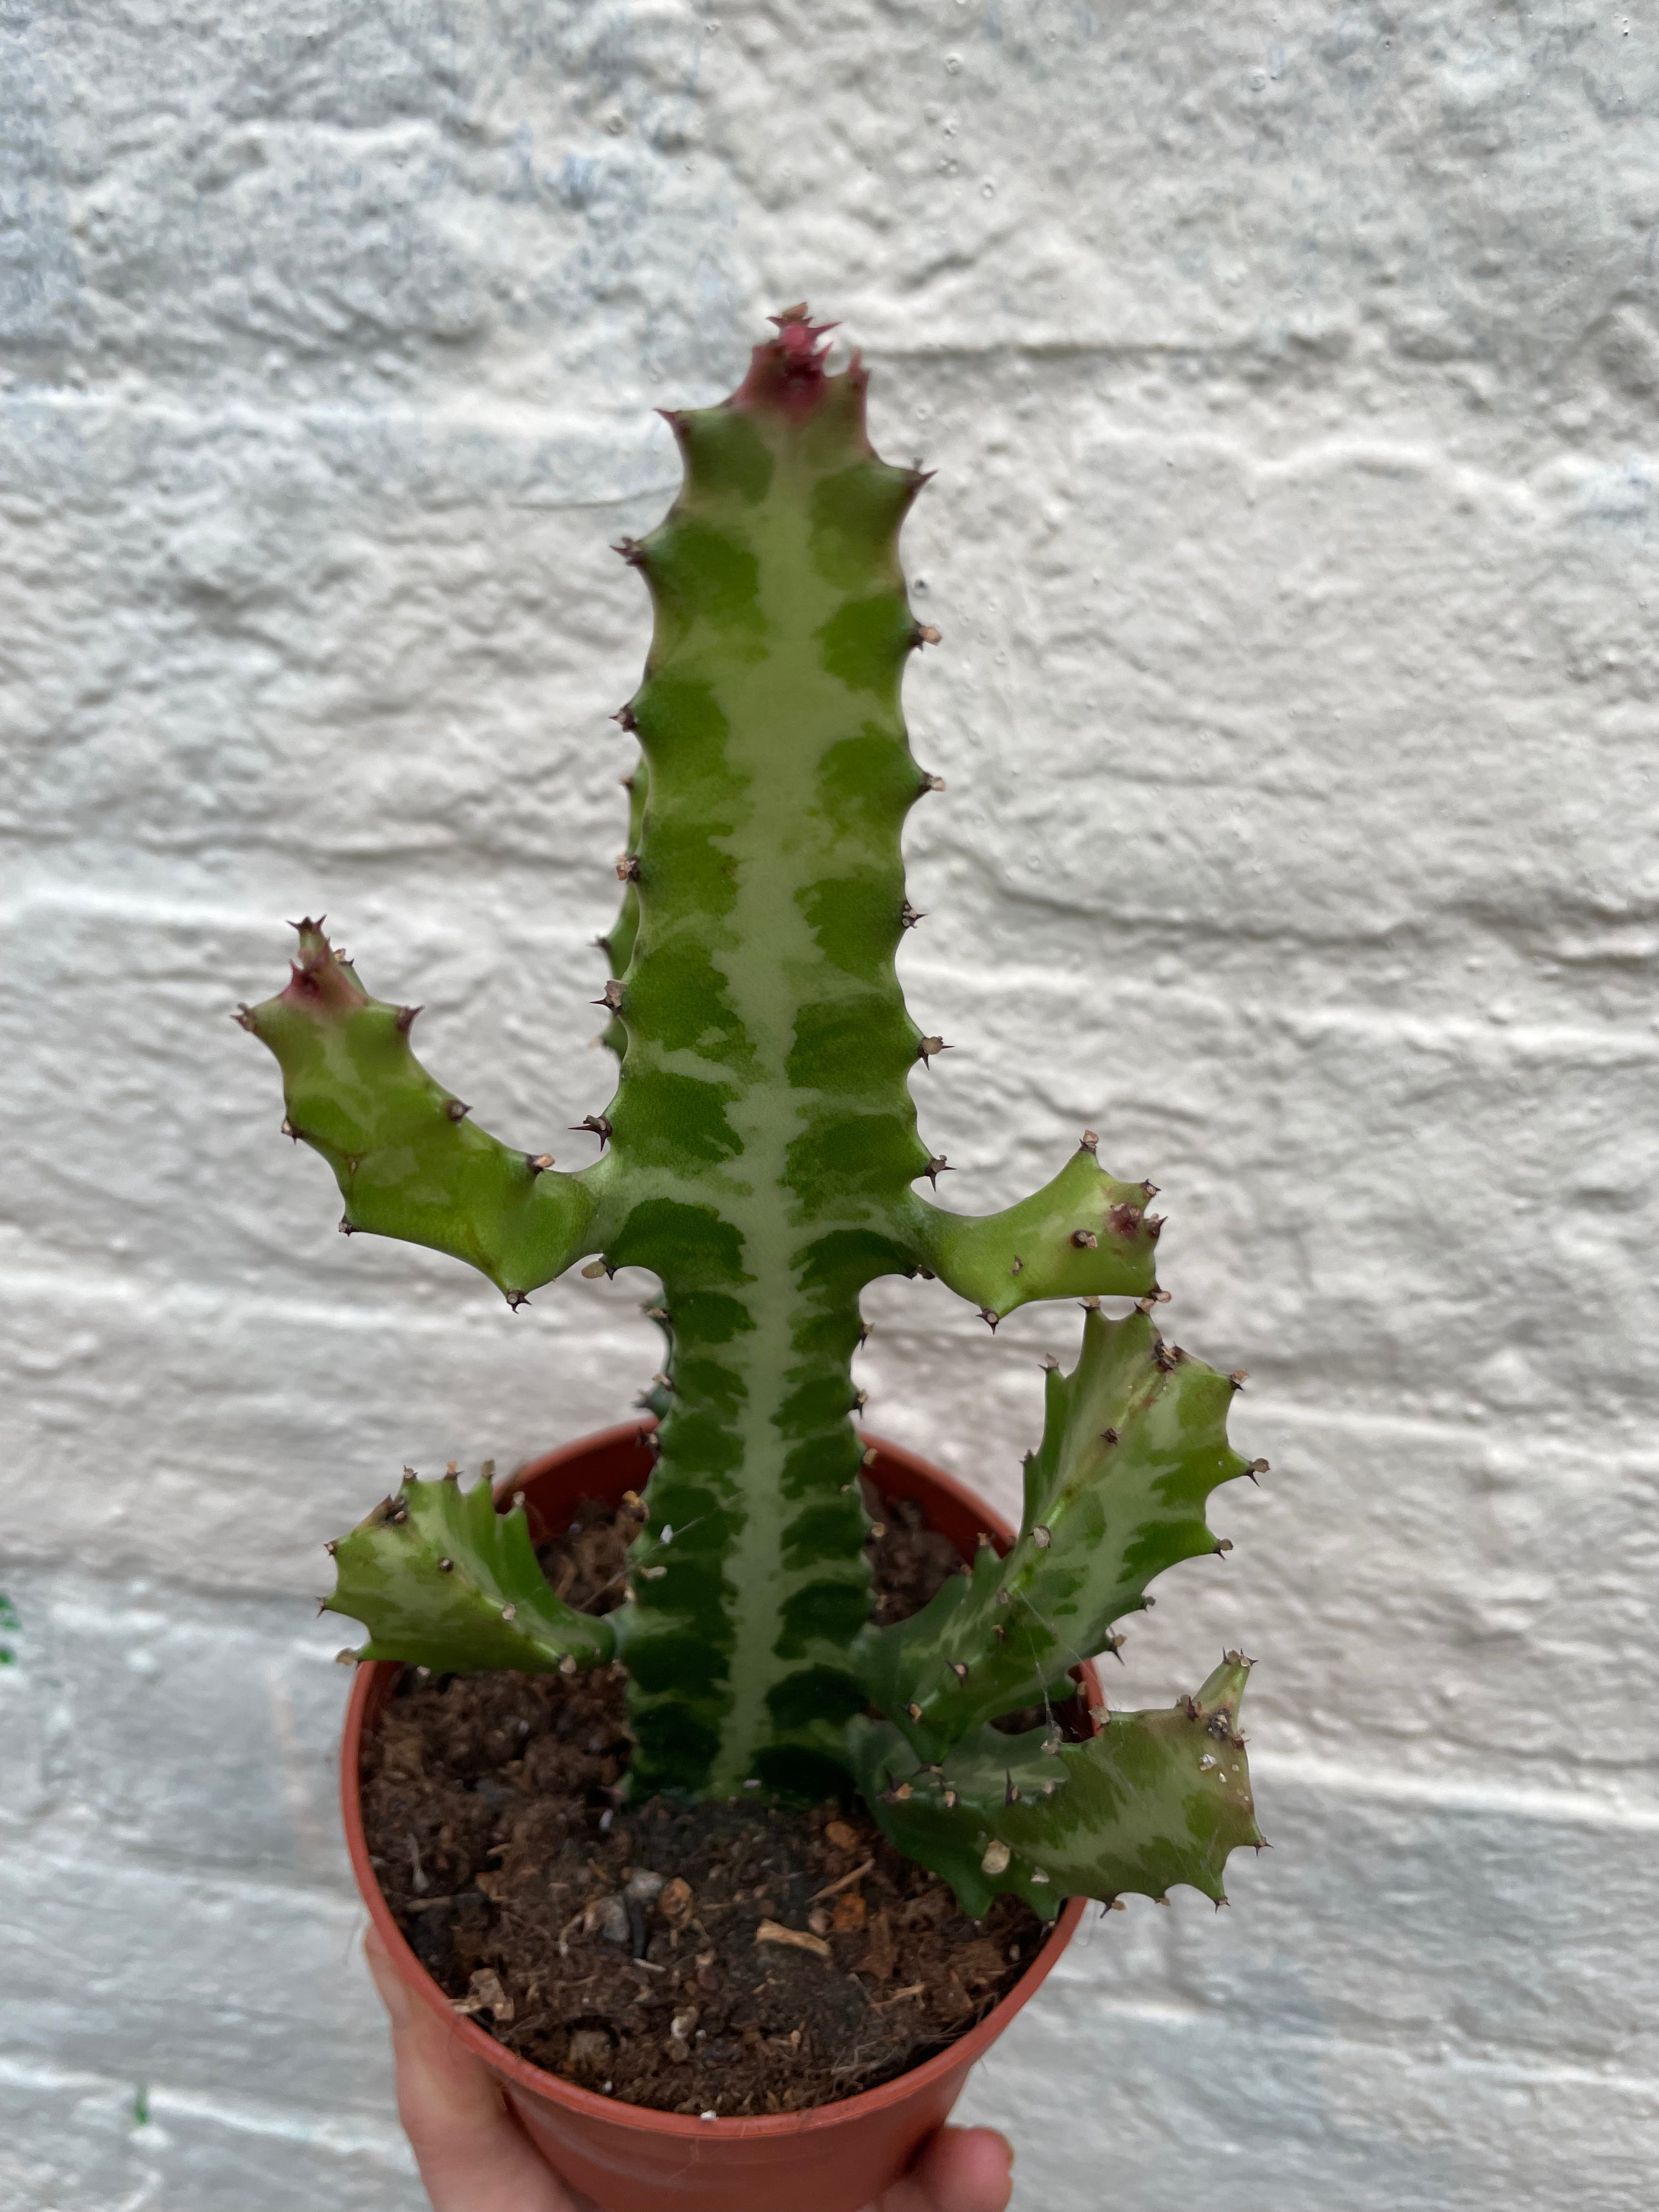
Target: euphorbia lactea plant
{"x":760,"y":1158}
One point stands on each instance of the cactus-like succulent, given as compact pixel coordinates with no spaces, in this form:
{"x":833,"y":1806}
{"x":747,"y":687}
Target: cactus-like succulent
{"x":760,"y":1157}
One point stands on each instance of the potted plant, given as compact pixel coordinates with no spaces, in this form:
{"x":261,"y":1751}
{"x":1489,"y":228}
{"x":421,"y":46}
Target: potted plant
{"x":759,"y":1158}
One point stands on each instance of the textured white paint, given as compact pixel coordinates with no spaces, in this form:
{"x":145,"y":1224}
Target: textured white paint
{"x":1291,"y":376}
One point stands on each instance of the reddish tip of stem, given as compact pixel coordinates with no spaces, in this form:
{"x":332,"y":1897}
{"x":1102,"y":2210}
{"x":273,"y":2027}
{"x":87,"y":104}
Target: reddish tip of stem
{"x":787,"y":375}
{"x":319,"y":979}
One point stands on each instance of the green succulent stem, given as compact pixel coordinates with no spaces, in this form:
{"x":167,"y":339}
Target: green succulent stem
{"x":1155,"y":1799}
{"x":441,"y":1578}
{"x":409,"y":1160}
{"x":1134,"y":1441}
{"x":760,"y":1158}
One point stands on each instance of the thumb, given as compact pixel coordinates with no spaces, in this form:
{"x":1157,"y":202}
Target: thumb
{"x":961,"y":2170}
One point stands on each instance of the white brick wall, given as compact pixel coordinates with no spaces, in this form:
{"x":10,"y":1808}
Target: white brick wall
{"x":1291,"y":377}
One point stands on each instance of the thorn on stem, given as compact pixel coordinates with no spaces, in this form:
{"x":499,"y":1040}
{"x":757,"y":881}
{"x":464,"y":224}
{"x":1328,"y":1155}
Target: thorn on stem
{"x":1084,"y":1239}
{"x":625,"y":716}
{"x":628,"y":867}
{"x":598,"y":1123}
{"x":989,"y":1318}
{"x":244,"y":1018}
{"x":611,"y":996}
{"x":404,"y":1020}
{"x":928,"y":1047}
{"x":539,"y":1162}
{"x":1090,"y":1140}
{"x":909,"y":916}
{"x":925,"y":633}
{"x":936,"y":1166}
{"x":457,"y":1109}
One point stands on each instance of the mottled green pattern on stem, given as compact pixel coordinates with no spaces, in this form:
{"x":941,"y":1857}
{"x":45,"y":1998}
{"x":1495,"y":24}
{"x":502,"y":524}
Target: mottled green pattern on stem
{"x":1154,"y":1800}
{"x":441,"y":1579}
{"x":1134,"y":1441}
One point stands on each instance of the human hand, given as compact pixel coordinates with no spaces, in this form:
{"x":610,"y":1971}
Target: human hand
{"x":474,"y":2157}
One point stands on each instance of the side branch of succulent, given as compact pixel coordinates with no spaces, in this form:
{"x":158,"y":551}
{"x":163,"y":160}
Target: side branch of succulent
{"x":760,"y":1158}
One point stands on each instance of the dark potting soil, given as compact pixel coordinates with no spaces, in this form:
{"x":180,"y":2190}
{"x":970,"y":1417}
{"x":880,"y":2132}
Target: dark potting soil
{"x":733,"y":1958}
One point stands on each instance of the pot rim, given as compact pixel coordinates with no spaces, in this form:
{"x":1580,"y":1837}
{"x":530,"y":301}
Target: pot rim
{"x":590,"y":2104}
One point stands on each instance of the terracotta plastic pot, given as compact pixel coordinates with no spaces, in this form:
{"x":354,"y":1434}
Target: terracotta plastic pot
{"x":835,"y":2158}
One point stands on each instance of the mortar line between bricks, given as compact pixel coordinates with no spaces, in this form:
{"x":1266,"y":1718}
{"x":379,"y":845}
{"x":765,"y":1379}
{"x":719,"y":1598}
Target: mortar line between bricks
{"x":348,"y":2137}
{"x":1609,"y":1042}
{"x":540,"y":429}
{"x":1155,"y":2013}
{"x":78,"y":1843}
{"x":468,"y":1307}
{"x":1559,"y":1808}
{"x":601,"y":1328}
{"x":1458,"y":1031}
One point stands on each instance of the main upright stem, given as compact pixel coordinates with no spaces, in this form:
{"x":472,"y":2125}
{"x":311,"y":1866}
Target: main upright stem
{"x":763,"y":1125}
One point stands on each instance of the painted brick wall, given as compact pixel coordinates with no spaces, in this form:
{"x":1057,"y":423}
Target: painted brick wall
{"x":1291,"y":377}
